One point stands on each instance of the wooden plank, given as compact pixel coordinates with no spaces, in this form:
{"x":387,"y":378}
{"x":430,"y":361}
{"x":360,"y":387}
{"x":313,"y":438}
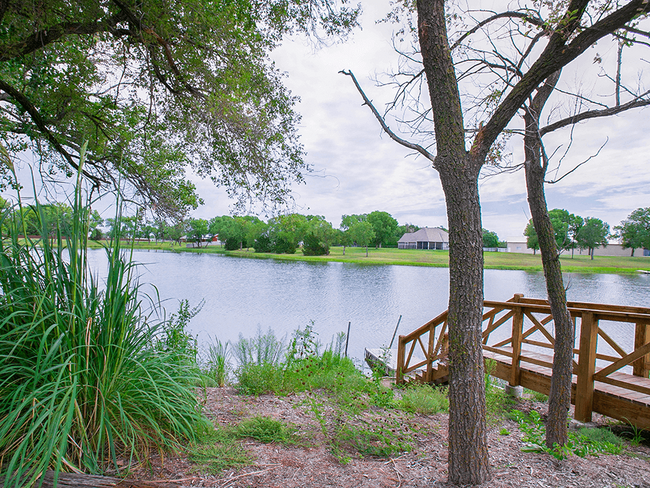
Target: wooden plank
{"x":517,"y":326}
{"x":541,"y":328}
{"x":636,"y":354}
{"x":626,"y":411}
{"x":608,"y":307}
{"x":641,"y":367}
{"x":623,"y":383}
{"x":611,"y":342}
{"x":586,"y":367}
{"x":401,"y":345}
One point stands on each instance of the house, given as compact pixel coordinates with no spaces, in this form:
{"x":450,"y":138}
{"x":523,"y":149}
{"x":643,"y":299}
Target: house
{"x":425,"y":238}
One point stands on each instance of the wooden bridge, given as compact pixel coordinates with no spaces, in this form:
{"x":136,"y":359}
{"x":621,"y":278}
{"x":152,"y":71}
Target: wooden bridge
{"x":611,"y":361}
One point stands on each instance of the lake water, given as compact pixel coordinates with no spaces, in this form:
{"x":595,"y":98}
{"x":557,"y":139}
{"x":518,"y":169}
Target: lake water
{"x":243,"y":294}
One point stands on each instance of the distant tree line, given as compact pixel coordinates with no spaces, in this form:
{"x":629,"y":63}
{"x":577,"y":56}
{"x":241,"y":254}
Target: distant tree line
{"x":573,"y":231}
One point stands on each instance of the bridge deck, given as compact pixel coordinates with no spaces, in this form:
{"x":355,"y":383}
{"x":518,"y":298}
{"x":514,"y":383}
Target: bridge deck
{"x":617,"y":337}
{"x":628,"y":399}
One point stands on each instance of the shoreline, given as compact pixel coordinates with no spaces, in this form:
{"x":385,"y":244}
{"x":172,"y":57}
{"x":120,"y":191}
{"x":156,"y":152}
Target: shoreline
{"x":626,"y":265}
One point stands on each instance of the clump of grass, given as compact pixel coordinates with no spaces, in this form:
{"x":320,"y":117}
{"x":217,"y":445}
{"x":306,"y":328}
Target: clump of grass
{"x":424,"y":399}
{"x":267,"y":430}
{"x":497,"y":402}
{"x":217,"y":363}
{"x":218,"y":450}
{"x":585,"y":442}
{"x":80,"y":382}
{"x":259,"y":370}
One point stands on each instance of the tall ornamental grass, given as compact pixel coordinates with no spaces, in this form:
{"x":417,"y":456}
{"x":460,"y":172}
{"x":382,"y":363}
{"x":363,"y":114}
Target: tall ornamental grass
{"x":81,"y":383}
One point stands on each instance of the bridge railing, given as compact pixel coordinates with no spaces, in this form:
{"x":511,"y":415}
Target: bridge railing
{"x":522,"y":329}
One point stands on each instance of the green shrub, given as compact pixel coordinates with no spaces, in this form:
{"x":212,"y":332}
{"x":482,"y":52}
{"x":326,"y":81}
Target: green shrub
{"x":258,"y":379}
{"x":80,"y":384}
{"x":217,"y":362}
{"x":267,"y":429}
{"x":424,"y":399}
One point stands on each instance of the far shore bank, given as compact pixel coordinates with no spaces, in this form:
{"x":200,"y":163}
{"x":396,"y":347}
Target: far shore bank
{"x":578,"y":263}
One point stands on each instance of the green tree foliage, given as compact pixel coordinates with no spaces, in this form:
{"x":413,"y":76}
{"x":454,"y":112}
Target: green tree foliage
{"x":362,"y":233}
{"x":531,"y":236}
{"x":286,"y":232}
{"x":565,"y":228}
{"x":592,"y":234}
{"x":318,"y":236}
{"x":348,"y":221}
{"x":634,"y":231}
{"x":490,"y":239}
{"x":385,"y":228}
{"x":196,"y":229}
{"x":237,"y":232}
{"x":94,"y":224}
{"x":157,"y":86}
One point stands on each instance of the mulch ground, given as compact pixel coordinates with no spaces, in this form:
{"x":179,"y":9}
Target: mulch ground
{"x":313,"y":465}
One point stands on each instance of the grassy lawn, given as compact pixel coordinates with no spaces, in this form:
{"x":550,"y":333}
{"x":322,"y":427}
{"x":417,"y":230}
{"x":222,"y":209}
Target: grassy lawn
{"x":412,"y":257}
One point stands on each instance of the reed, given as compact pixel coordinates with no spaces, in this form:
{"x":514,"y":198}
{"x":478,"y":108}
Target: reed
{"x":81,"y":381}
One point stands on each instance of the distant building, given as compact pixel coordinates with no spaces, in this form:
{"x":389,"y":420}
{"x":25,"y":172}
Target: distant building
{"x":518,"y":244}
{"x":426,"y":238}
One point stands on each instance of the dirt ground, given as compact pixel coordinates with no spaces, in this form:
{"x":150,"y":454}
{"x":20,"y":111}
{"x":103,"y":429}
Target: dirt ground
{"x":313,"y":465}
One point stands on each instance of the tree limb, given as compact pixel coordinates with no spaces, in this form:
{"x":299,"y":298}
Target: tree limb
{"x":382,"y":122}
{"x":512,"y":15}
{"x":53,"y":33}
{"x":556,"y":55}
{"x":592,"y":114}
{"x":29,"y":107}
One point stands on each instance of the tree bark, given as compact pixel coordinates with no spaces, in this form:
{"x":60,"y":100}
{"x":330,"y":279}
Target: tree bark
{"x":459,"y":170}
{"x":560,"y":394}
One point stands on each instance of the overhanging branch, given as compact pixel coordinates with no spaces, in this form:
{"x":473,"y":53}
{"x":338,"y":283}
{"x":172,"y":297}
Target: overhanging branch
{"x":382,"y":122}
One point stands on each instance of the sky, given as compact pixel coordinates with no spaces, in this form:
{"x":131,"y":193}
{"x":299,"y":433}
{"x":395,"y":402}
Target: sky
{"x":359,"y":169}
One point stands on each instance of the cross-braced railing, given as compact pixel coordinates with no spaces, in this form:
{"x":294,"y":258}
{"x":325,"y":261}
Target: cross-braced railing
{"x":519,"y":334}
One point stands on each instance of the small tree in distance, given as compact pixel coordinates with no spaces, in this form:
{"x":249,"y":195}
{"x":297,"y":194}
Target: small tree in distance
{"x":634,"y":231}
{"x":593,"y":234}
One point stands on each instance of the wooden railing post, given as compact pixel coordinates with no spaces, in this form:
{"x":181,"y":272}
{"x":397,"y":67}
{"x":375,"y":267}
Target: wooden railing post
{"x":517,"y":329}
{"x":584,"y":399}
{"x":432,"y":338}
{"x":641,"y":366}
{"x":401,"y":346}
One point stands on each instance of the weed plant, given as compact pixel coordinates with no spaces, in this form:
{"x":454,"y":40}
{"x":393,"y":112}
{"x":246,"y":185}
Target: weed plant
{"x":80,"y":383}
{"x":584,"y":442}
{"x":218,"y":361}
{"x":424,"y":399}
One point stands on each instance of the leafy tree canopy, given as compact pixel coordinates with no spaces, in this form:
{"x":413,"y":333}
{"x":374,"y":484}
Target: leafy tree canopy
{"x":634,"y":231}
{"x":592,"y":234}
{"x":490,"y":239}
{"x":384,"y":226}
{"x":155,"y":87}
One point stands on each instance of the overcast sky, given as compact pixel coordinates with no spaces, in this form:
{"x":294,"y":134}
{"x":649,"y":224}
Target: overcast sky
{"x":358,"y":169}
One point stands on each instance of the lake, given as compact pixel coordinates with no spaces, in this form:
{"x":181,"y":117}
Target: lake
{"x":243,"y":294}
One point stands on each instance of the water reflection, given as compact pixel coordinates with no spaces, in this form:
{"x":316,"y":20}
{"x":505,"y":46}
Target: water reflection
{"x":242,"y":294}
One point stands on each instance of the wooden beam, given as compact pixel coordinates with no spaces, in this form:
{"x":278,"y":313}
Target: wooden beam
{"x":517,"y":326}
{"x":641,"y":367}
{"x":638,"y":353}
{"x":399,"y":375}
{"x":586,"y":367}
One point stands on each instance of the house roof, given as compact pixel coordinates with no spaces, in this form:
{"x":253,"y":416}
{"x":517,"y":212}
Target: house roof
{"x":427,"y":234}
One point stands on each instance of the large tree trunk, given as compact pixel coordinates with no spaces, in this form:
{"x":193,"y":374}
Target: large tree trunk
{"x":459,"y":170}
{"x":468,"y":453}
{"x":560,"y":394}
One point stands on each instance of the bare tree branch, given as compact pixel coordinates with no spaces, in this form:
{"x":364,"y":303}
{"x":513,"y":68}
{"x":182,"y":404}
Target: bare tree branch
{"x":592,"y":114}
{"x":382,"y":122}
